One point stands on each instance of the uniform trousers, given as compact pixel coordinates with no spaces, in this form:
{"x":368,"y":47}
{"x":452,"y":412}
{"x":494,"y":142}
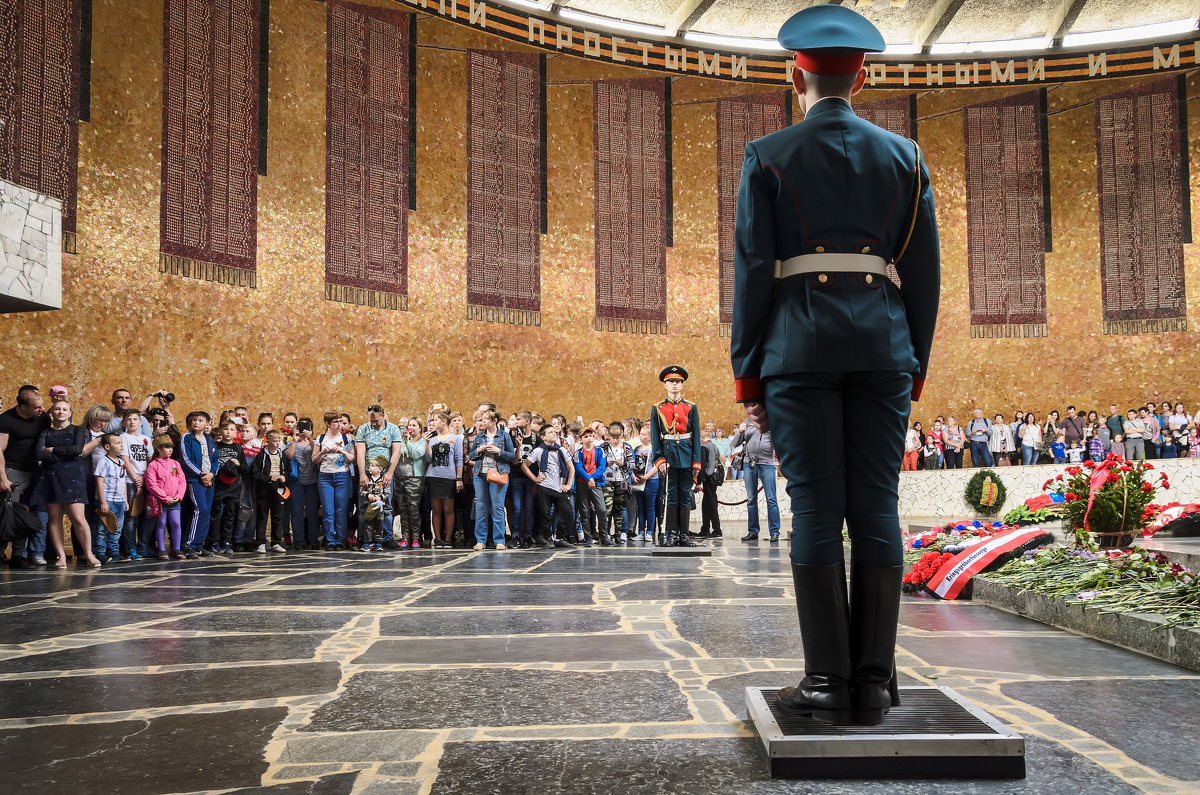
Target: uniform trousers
{"x":840,"y":439}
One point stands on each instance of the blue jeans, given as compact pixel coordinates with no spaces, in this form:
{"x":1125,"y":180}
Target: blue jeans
{"x":523,"y":505}
{"x":981,"y":456}
{"x":753,"y":475}
{"x":197,"y":505}
{"x":334,"y":490}
{"x":489,"y":509}
{"x":1029,"y":455}
{"x":304,"y":513}
{"x":107,"y":543}
{"x":647,"y":502}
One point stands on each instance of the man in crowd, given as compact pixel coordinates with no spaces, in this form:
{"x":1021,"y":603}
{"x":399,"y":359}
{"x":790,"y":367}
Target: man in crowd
{"x":979,"y":432}
{"x":758,"y":469}
{"x":19,"y":429}
{"x":378,"y":437}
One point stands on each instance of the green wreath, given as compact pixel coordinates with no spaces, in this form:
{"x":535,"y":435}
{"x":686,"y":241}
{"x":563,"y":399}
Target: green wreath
{"x":985,"y":493}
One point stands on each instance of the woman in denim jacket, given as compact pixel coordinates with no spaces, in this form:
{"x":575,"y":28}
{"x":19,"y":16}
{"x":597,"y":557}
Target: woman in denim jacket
{"x":491,"y":450}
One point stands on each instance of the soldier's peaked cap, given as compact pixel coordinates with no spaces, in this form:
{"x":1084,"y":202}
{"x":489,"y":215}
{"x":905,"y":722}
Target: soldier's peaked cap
{"x":830,"y":39}
{"x":674,"y":371}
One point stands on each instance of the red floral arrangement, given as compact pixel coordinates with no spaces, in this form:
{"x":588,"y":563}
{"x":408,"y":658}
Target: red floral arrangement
{"x":925,"y":570}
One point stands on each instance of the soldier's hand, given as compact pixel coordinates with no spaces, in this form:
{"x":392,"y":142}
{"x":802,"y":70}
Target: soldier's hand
{"x":756,"y":413}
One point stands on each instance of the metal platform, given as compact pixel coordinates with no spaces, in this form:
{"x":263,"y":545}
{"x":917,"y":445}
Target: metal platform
{"x":934,"y":733}
{"x":698,"y":551}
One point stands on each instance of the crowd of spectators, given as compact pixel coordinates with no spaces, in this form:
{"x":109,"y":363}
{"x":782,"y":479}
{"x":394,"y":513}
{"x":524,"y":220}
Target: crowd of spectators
{"x":135,"y":483}
{"x":1153,"y":431}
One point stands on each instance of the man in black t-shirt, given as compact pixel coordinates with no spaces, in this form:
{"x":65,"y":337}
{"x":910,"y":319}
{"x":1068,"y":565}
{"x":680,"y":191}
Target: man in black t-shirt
{"x":19,"y":429}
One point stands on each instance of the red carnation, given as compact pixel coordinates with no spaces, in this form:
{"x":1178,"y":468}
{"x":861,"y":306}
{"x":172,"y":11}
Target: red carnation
{"x":1113,"y":476}
{"x":1166,"y":485}
{"x":1089,"y":464}
{"x":1146,"y":487}
{"x":1071,"y":496}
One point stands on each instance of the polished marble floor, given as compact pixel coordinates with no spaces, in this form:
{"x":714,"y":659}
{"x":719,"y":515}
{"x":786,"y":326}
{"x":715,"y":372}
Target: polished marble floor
{"x":578,"y":671}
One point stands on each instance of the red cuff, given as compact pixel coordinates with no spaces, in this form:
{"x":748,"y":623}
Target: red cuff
{"x":918,"y":385}
{"x":696,"y":465}
{"x":660,"y":462}
{"x":747,"y":388}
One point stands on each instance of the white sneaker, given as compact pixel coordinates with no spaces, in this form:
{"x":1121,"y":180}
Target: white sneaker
{"x":478,"y":547}
{"x":262,"y":549}
{"x":39,"y":560}
{"x":500,"y":547}
{"x":277,"y":548}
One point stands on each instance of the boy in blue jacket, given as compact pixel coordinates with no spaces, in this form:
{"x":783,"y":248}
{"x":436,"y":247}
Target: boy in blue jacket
{"x":589,"y":488}
{"x":198,"y":454}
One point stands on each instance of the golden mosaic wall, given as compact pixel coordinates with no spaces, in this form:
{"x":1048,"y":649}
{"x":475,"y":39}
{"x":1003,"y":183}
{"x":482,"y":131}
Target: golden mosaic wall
{"x":284,"y":346}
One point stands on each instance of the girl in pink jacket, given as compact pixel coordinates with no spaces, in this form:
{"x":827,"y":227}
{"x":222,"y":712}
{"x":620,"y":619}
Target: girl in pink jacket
{"x":165,"y":487}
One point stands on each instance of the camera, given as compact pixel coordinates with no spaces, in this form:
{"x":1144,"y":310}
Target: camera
{"x":304,"y":425}
{"x":167,"y":398}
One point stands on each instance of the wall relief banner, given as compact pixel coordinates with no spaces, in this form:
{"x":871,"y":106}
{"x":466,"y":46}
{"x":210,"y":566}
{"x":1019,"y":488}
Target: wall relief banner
{"x":1008,"y":215}
{"x":506,"y":185}
{"x":740,"y":120}
{"x":368,"y":157}
{"x":39,"y":101}
{"x":209,"y":204}
{"x":1145,"y":213}
{"x":633,"y":203}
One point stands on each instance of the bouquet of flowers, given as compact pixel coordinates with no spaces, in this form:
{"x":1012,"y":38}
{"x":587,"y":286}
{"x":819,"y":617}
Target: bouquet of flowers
{"x":1042,"y":508}
{"x":1106,"y":503}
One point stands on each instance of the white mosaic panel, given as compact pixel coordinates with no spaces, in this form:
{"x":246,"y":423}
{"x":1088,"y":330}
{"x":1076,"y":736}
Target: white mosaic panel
{"x":30,"y":250}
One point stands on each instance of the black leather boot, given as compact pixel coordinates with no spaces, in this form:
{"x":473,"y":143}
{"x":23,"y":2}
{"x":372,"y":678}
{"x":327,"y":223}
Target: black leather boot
{"x":874,"y":612}
{"x":824,"y":692}
{"x":683,"y":538}
{"x":667,"y":539}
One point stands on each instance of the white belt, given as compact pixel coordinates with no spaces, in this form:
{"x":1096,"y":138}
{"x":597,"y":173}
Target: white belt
{"x":830,"y":263}
{"x":676,"y":437}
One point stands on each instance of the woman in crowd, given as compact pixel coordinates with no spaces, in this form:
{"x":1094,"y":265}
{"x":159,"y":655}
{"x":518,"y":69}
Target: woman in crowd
{"x":1031,"y":440}
{"x":953,"y":440}
{"x":443,"y":477}
{"x":332,"y":452}
{"x":304,"y":487}
{"x":912,"y":448}
{"x":410,"y":481}
{"x":492,"y":452}
{"x":1179,"y":423}
{"x":1001,"y":441}
{"x":65,"y":452}
{"x":1135,"y":436}
{"x":1050,"y":432}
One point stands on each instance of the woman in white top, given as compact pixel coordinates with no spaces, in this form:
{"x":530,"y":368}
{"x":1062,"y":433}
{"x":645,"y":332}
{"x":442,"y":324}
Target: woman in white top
{"x":1178,"y":423}
{"x":331,"y":453}
{"x":1001,"y":441}
{"x":1031,"y":440}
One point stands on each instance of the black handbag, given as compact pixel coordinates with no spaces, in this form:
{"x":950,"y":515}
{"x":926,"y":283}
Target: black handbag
{"x":17,"y":522}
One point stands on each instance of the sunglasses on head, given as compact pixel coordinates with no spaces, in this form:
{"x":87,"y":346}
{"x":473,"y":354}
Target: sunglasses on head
{"x":375,"y":409}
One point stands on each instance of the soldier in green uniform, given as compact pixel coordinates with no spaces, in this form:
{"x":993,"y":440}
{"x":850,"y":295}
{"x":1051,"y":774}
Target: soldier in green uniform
{"x":675,"y":450}
{"x":827,"y":352}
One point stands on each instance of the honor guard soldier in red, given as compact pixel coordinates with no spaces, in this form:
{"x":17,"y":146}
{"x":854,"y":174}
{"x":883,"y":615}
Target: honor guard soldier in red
{"x":827,"y":352}
{"x":675,"y":450}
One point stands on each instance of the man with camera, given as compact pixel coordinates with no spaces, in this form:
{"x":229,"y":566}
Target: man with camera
{"x":122,"y":401}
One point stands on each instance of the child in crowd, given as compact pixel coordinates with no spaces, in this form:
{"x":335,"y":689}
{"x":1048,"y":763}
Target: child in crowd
{"x":645,"y":487}
{"x":930,"y":452}
{"x":1075,"y":453}
{"x":1096,"y":448}
{"x":1118,"y":445}
{"x":165,"y":487}
{"x":618,"y":456}
{"x":372,"y":506}
{"x":270,"y":492}
{"x":555,"y":477}
{"x":251,"y":444}
{"x":227,"y":496}
{"x":199,"y":459}
{"x":589,"y":489}
{"x":112,"y":480}
{"x":137,"y":536}
{"x":1058,"y":449}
